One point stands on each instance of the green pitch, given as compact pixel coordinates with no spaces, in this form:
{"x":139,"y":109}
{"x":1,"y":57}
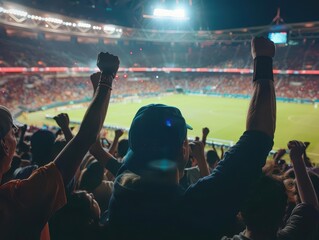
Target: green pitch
{"x":224,"y":117}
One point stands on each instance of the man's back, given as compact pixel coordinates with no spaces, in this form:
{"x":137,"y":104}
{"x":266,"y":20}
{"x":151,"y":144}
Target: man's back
{"x":139,"y":210}
{"x":204,"y":210}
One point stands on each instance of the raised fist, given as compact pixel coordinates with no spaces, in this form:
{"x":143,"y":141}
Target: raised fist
{"x":24,"y":128}
{"x":108,"y":63}
{"x":62,"y":120}
{"x":119,"y":133}
{"x":205,"y":131}
{"x":297,"y":149}
{"x":262,"y":47}
{"x":95,"y":78}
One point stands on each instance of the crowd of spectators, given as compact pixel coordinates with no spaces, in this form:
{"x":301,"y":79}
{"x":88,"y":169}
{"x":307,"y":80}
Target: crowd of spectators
{"x":35,"y":91}
{"x":34,"y":52}
{"x":58,"y":184}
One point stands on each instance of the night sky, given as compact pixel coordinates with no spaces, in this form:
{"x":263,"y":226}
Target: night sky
{"x":223,"y":14}
{"x":205,"y":14}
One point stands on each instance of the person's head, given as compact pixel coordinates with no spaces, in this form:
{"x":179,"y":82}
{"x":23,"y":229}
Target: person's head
{"x":122,"y":148}
{"x":91,"y":176}
{"x":77,"y":218}
{"x":58,"y":146}
{"x":290,"y":183}
{"x":41,"y":146}
{"x":8,"y":140}
{"x":212,"y":158}
{"x":265,"y":206}
{"x":157,"y":132}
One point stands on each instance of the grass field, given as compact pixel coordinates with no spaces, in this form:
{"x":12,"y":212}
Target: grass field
{"x":223,"y":116}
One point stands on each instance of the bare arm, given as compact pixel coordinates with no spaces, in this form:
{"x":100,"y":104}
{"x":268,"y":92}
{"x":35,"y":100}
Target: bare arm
{"x":63,"y":122}
{"x":205,"y":132}
{"x":198,"y":153}
{"x":70,"y":157}
{"x":118,"y":134}
{"x":305,"y":188}
{"x":262,"y":109}
{"x":105,"y":158}
{"x":23,"y":130}
{"x":222,"y":152}
{"x":278,"y":155}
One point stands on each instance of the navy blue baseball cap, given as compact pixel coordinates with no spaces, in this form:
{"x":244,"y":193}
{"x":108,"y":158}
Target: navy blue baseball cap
{"x":157,"y":130}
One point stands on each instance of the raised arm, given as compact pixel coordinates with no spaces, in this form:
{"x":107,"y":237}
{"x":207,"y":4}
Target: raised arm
{"x":106,"y":159}
{"x":303,"y":221}
{"x":118,"y":133}
{"x":70,"y":157}
{"x":205,"y":132}
{"x":63,"y":122}
{"x":262,"y":110}
{"x":198,"y":153}
{"x":305,"y":188}
{"x":242,"y":164}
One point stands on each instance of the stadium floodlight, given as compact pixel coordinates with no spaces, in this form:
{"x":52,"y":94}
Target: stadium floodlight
{"x":84,"y":25}
{"x":17,"y":12}
{"x":67,"y":23}
{"x":34,"y":17}
{"x":53,"y":20}
{"x":176,"y":14}
{"x":109,"y":28}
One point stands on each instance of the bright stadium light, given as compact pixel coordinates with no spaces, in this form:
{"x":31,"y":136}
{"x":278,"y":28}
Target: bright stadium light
{"x":54,"y":20}
{"x":67,"y":23}
{"x":84,"y":25}
{"x":109,"y":28}
{"x":17,"y":12}
{"x":176,"y":14}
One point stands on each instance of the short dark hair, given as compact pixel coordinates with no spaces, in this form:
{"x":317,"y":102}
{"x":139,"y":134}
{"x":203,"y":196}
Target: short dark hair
{"x":265,"y":206}
{"x":122,"y":147}
{"x":212,"y":157}
{"x":92,"y":176}
{"x":75,"y":220}
{"x":41,"y":146}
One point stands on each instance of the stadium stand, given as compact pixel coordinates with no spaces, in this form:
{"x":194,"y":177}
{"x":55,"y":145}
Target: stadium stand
{"x":24,"y":52}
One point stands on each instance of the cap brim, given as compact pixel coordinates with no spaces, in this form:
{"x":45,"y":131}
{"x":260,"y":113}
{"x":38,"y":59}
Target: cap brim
{"x":141,"y":164}
{"x":131,"y":163}
{"x":189,"y":127}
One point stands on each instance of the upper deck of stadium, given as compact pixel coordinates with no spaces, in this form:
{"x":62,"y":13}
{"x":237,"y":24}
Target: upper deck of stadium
{"x":19,"y":20}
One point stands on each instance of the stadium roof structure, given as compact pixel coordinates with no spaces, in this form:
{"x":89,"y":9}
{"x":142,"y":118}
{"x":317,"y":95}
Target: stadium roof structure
{"x":18,"y":19}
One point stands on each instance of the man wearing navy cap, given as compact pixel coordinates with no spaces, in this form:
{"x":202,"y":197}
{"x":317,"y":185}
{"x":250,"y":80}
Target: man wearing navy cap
{"x":147,"y":202}
{"x":157,"y":132}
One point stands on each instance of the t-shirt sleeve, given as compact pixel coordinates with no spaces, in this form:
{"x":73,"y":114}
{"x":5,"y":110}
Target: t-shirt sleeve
{"x":221,"y":193}
{"x":302,"y":224}
{"x":40,"y":195}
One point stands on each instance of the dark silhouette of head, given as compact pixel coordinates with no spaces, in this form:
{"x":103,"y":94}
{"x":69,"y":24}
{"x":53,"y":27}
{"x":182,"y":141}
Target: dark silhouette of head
{"x":265,"y":207}
{"x":122,"y":148}
{"x":157,"y":132}
{"x":41,"y":147}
